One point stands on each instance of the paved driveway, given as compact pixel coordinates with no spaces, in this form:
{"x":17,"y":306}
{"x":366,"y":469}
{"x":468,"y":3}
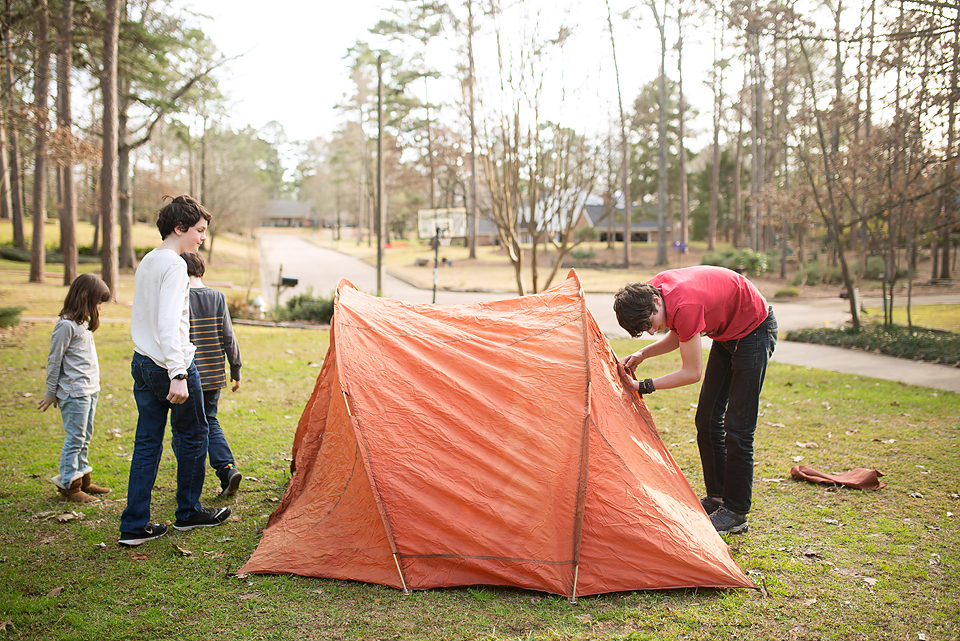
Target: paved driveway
{"x":321,"y":269}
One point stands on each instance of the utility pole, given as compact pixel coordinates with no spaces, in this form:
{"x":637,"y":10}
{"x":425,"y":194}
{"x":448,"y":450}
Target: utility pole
{"x":379,"y":216}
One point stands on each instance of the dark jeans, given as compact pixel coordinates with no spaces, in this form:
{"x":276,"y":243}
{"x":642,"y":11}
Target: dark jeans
{"x":220,"y":454}
{"x":188,"y":426}
{"x":727,"y":413}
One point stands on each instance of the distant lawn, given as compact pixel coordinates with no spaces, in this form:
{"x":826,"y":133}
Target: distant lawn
{"x":945,"y":317}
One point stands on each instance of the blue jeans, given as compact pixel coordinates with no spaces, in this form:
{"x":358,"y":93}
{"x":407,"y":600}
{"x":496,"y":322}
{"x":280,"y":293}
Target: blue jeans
{"x":726,"y":416}
{"x":220,"y":454}
{"x":218,"y":449}
{"x":77,"y":413}
{"x":188,"y":426}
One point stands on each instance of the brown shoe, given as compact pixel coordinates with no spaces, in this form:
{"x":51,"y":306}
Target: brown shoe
{"x":87,"y":486}
{"x":74,"y":494}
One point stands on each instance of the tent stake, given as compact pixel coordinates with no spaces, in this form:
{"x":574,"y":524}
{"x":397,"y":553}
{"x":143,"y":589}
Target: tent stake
{"x":406,"y":592}
{"x":576,"y":575}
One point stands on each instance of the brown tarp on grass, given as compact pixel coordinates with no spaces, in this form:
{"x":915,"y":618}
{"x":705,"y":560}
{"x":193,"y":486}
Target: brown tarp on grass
{"x":487,"y":444}
{"x":860,"y":478}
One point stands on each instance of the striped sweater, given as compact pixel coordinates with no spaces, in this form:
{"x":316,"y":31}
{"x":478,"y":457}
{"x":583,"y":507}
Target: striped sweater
{"x":211,"y":331}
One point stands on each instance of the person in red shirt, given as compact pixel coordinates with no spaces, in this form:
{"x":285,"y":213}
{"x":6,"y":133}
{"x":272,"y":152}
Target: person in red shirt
{"x":726,"y":307}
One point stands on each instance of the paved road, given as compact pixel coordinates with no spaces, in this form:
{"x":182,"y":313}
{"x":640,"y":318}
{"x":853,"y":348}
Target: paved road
{"x":321,"y":269}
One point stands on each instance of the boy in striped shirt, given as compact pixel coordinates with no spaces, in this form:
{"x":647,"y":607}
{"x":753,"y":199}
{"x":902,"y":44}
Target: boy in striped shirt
{"x":211,"y":331}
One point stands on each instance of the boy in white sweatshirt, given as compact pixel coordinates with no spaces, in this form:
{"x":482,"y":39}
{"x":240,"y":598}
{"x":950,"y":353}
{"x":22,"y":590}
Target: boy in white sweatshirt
{"x":166,"y":379}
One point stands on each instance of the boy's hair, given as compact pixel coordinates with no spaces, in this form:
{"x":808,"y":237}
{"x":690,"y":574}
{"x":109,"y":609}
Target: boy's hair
{"x":182,"y":212}
{"x":80,"y":305}
{"x":195,"y":265}
{"x":634,"y":306}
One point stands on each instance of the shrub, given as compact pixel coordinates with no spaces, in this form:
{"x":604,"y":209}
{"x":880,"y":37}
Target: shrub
{"x":743,"y":260}
{"x":931,"y":345}
{"x":307,"y":307}
{"x":9,"y":252}
{"x":787,"y":292}
{"x":583,"y":254}
{"x":10,"y":316}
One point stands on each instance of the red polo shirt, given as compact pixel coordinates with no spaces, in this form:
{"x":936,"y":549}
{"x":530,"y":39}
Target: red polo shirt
{"x":712,"y":301}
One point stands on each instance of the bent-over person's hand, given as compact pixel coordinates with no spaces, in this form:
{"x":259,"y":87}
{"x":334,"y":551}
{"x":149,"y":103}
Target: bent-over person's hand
{"x":236,"y":386}
{"x":178,"y":391}
{"x":631,"y":362}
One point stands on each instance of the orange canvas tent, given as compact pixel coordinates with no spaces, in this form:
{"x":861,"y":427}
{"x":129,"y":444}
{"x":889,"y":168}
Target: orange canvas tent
{"x":487,"y":444}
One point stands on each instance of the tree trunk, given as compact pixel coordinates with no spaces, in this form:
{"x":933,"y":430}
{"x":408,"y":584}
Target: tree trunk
{"x":41,"y":82}
{"x":15,"y":172}
{"x":108,"y":173}
{"x":950,"y":209}
{"x":6,"y":205}
{"x":737,"y":186}
{"x":473,"y":228}
{"x":624,"y":152}
{"x":662,"y":146}
{"x":681,"y":117}
{"x":68,"y":213}
{"x":717,"y":116}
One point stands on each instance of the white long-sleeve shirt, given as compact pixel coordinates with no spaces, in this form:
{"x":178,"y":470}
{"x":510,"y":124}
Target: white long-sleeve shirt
{"x":160,"y":321}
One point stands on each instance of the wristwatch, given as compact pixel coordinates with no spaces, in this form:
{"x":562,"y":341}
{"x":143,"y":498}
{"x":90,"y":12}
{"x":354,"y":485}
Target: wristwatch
{"x":180,"y":377}
{"x":646,"y":386}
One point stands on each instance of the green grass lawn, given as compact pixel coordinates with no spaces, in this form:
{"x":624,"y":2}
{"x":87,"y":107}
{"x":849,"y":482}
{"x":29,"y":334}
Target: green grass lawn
{"x":834,"y":563}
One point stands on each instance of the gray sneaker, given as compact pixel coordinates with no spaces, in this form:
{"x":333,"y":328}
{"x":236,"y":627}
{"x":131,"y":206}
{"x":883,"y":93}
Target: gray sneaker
{"x":710,"y":504}
{"x":728,"y":522}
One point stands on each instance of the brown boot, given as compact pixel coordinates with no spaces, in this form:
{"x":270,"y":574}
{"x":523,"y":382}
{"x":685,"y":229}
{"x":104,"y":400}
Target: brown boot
{"x":74,"y":494}
{"x":87,"y":486}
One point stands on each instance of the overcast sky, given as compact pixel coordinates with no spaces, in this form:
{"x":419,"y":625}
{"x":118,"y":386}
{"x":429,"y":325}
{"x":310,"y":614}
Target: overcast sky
{"x":292,"y":68}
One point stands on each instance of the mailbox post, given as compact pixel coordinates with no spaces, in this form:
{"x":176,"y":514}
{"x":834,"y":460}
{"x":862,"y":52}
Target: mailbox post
{"x":284,"y":281}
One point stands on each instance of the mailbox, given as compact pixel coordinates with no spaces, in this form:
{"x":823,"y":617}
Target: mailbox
{"x":287,"y":281}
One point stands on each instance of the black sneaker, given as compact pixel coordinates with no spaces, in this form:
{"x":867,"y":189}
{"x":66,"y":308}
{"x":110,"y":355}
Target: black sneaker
{"x":150,"y":532}
{"x":710,"y":504}
{"x":206,"y":517}
{"x":728,"y":522}
{"x":230,"y":478}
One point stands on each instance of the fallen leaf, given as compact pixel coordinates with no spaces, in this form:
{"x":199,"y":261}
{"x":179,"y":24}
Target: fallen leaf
{"x":6,"y":625}
{"x":69,"y":516}
{"x":808,"y":446}
{"x":136,"y":556}
{"x":55,"y":591}
{"x":833,"y":522}
{"x":915,"y":495}
{"x":808,"y":602}
{"x":796,"y":459}
{"x":244,"y":597}
{"x":811,"y":553}
{"x":869,"y":580}
{"x":181,"y":550}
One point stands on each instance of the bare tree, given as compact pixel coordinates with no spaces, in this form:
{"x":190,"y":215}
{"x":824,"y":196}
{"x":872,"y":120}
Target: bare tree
{"x":108,"y":173}
{"x":662,"y":136}
{"x":41,"y":80}
{"x":68,"y":211}
{"x":14,"y":171}
{"x":624,"y":152}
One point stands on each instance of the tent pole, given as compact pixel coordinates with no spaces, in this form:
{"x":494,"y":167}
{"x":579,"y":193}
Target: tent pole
{"x":576,"y":575}
{"x":406,"y":591}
